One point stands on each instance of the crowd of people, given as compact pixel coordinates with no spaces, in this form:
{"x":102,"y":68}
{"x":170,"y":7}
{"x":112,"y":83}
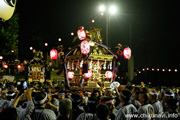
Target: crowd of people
{"x":46,"y":102}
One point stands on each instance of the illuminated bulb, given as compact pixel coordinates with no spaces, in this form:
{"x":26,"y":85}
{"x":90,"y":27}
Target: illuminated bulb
{"x":157,"y":69}
{"x":72,"y":33}
{"x":46,"y":44}
{"x":93,"y":21}
{"x":31,"y":48}
{"x":169,"y":70}
{"x":147,"y":68}
{"x":175,"y":70}
{"x":143,"y":69}
{"x":163,"y":70}
{"x":1,"y":57}
{"x":12,"y":51}
{"x":152,"y":69}
{"x":139,"y":72}
{"x":102,"y":14}
{"x":59,"y":39}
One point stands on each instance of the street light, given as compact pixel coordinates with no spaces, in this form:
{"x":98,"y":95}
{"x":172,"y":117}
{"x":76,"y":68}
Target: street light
{"x":102,"y":8}
{"x":111,"y":10}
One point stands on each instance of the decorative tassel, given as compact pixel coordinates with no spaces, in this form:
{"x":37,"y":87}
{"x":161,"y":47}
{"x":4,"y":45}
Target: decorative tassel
{"x":90,"y":65}
{"x":72,"y":66}
{"x":104,"y":66}
{"x":81,"y":64}
{"x":68,"y":65}
{"x":110,"y":65}
{"x":98,"y":65}
{"x":81,"y":81}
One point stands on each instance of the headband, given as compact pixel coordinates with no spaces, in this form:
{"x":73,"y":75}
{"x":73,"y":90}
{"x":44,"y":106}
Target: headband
{"x":41,"y":101}
{"x":91,"y":101}
{"x":122,"y":95}
{"x":169,"y":95}
{"x":61,"y":93}
{"x":10,"y":94}
{"x":151,"y":93}
{"x":89,"y":93}
{"x":106,"y":102}
{"x":74,"y":100}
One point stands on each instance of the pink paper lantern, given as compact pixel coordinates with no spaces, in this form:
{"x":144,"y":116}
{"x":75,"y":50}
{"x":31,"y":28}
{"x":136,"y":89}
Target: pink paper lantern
{"x":53,"y":54}
{"x":81,"y":34}
{"x":108,"y":74}
{"x":70,"y":75}
{"x":89,"y":74}
{"x":127,"y":53}
{"x":85,"y":47}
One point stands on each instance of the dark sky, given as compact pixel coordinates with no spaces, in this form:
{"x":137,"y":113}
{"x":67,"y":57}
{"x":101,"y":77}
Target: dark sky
{"x":154,"y":26}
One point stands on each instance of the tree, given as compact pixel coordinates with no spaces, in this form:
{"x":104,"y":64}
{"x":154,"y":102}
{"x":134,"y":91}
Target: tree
{"x":9,"y":36}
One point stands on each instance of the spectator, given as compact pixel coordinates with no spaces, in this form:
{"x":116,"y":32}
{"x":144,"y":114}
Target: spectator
{"x":90,"y":114}
{"x":40,"y":113}
{"x":153,"y":98}
{"x":146,"y":109}
{"x":168,"y":94}
{"x":65,"y":108}
{"x":135,"y":100}
{"x":172,"y":107}
{"x":110,"y":102}
{"x":102,"y":112}
{"x":96,"y":93}
{"x":76,"y":100}
{"x":127,"y":108}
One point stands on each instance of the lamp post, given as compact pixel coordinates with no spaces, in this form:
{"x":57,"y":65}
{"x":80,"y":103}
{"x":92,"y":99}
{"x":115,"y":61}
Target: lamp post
{"x":111,"y":10}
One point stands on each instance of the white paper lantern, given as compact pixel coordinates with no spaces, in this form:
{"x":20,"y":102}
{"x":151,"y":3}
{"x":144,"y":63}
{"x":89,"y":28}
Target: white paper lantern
{"x":7,"y":9}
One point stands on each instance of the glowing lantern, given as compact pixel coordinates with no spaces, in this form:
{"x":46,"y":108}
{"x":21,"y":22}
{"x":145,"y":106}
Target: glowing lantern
{"x":53,"y":54}
{"x":5,"y":66}
{"x":127,"y":53}
{"x":18,"y":66}
{"x":85,"y":47}
{"x":70,"y":75}
{"x":7,"y":9}
{"x":108,"y":74}
{"x":89,"y":74}
{"x":81,"y":34}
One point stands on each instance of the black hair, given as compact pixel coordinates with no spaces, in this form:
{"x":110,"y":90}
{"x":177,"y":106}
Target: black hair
{"x":145,"y":96}
{"x":173,"y":104}
{"x":39,"y":96}
{"x":92,"y":103}
{"x":126,"y":95}
{"x":4,"y":114}
{"x":102,"y":111}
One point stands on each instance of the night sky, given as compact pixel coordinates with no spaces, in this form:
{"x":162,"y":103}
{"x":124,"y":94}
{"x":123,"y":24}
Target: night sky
{"x":154,"y":27}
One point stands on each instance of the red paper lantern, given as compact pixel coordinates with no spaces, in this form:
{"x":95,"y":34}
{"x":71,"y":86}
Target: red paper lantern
{"x":127,"y":53}
{"x":70,"y":75}
{"x":5,"y":66}
{"x":89,"y":74}
{"x":18,"y":66}
{"x":81,"y":34}
{"x":53,"y":54}
{"x":85,"y":47}
{"x":108,"y":74}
